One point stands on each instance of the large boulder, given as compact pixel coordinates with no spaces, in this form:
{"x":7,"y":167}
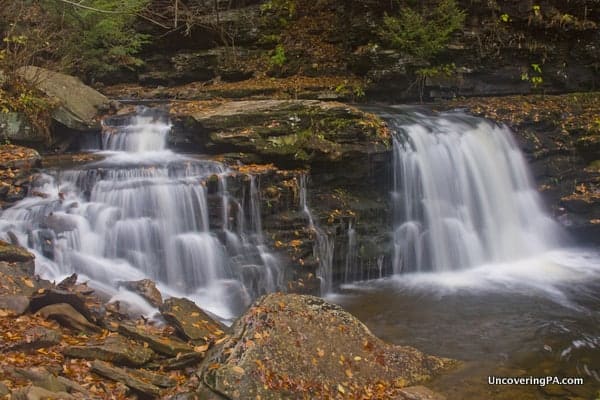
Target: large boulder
{"x":79,"y":104}
{"x":295,"y":346}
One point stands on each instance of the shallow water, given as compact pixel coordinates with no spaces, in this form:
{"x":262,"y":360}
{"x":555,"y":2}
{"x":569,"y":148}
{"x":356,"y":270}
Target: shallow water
{"x":535,"y":317}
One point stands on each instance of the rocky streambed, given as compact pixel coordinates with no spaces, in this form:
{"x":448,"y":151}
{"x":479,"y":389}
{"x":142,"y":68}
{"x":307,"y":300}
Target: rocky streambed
{"x":62,"y":340}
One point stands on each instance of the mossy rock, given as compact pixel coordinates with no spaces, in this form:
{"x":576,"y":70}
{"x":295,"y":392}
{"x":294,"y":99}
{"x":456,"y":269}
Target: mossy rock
{"x":288,"y":131}
{"x":11,"y":253}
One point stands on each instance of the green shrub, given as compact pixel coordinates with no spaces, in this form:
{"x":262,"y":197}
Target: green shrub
{"x":100,"y":34}
{"x":424,"y":33}
{"x":278,"y":58}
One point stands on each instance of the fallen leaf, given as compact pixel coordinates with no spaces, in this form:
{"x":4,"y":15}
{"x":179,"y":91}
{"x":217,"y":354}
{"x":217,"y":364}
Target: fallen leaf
{"x":201,"y":349}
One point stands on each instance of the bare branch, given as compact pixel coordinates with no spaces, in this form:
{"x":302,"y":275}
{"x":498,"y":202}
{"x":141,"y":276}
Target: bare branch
{"x":92,"y":8}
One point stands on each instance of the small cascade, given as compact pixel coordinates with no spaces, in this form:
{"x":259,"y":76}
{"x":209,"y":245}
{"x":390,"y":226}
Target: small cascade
{"x":146,"y":131}
{"x":144,"y":212}
{"x":351,"y":268}
{"x":323,"y":249}
{"x":462,"y":195}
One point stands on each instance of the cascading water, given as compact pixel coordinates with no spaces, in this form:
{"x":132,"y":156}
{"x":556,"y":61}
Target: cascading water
{"x":481,"y":273}
{"x":144,"y":211}
{"x":462,"y":195}
{"x":324,"y":246}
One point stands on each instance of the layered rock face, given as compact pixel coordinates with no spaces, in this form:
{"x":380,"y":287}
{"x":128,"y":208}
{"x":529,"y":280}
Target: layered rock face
{"x":327,"y":158}
{"x":503,"y":47}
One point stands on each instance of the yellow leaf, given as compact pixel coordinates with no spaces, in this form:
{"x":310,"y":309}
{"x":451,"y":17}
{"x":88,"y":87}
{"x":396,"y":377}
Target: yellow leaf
{"x":238,"y":370}
{"x":28,"y":282}
{"x":320,"y":352}
{"x":340,"y":389}
{"x":201,"y":349}
{"x":221,"y":340}
{"x":349,"y":373}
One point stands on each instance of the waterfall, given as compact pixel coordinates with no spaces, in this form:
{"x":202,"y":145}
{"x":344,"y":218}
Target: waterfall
{"x":462,"y":195}
{"x":324,"y":247}
{"x":351,"y":266}
{"x":144,"y":211}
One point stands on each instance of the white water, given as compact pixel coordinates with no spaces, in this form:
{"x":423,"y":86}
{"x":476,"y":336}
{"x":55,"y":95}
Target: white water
{"x":468,"y":219}
{"x":144,"y":212}
{"x":463,"y":197}
{"x":324,"y":246}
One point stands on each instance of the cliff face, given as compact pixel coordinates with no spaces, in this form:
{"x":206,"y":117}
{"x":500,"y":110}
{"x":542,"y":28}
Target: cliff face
{"x":503,"y":47}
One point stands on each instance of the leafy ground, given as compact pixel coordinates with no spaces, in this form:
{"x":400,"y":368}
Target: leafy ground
{"x":338,"y":87}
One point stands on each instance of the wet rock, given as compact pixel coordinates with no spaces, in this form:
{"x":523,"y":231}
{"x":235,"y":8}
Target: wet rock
{"x":40,"y":377}
{"x":205,"y":393}
{"x":12,"y":253}
{"x":74,"y":387}
{"x":35,"y":338}
{"x":160,"y":344}
{"x":17,"y":278}
{"x":38,"y":393}
{"x":288,"y":132}
{"x":121,"y":375}
{"x":189,"y":396}
{"x":15,"y":305}
{"x":14,"y":127}
{"x":19,"y":158}
{"x":79,"y":104}
{"x":293,"y":345}
{"x":190,"y":321}
{"x":115,"y":349}
{"x":182,"y":361}
{"x":145,"y":288}
{"x":159,"y":380}
{"x":67,"y":316}
{"x":68,"y":282}
{"x":554,"y":391}
{"x":420,"y":393}
{"x":51,"y":296}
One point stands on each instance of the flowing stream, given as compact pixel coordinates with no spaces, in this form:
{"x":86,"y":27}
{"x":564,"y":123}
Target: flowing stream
{"x":481,"y":273}
{"x":144,"y":212}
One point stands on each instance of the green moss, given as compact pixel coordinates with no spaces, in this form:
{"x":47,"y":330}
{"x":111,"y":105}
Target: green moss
{"x":594,"y":166}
